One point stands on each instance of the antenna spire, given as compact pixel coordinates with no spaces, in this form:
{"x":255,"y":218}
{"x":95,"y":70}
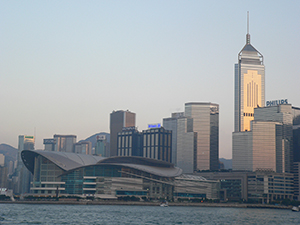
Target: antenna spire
{"x":248,"y":35}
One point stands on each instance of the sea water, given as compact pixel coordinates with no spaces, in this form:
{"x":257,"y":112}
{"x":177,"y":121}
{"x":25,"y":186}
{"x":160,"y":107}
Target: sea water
{"x":114,"y":214}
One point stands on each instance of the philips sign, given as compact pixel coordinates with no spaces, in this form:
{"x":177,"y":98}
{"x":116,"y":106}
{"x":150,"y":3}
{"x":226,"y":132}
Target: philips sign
{"x":156,"y":125}
{"x":277,"y":102}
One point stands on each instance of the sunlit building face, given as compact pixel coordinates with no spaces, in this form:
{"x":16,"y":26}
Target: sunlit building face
{"x":249,"y":86}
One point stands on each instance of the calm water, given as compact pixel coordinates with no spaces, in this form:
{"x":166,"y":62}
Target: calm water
{"x":99,"y":214}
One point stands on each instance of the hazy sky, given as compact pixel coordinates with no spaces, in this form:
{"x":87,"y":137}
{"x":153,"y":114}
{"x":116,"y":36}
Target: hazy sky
{"x":66,"y":65}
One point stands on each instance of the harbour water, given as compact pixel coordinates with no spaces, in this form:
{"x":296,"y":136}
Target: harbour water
{"x":115,"y":214}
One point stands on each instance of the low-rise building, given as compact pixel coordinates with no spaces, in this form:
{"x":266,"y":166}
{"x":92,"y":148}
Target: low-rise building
{"x":118,"y":176}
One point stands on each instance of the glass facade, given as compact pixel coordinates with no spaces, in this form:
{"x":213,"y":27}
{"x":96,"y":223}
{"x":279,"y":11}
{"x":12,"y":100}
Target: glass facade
{"x":64,"y":143}
{"x":130,"y":143}
{"x":99,"y":180}
{"x":269,"y":144}
{"x":182,"y":142}
{"x":266,"y":187}
{"x":284,"y":115}
{"x":46,"y":178}
{"x":249,"y":86}
{"x":205,"y":123}
{"x":157,"y":144}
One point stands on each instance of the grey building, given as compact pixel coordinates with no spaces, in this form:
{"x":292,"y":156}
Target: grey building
{"x":183,"y":142}
{"x":261,"y":186}
{"x":83,"y":147}
{"x":101,"y":146}
{"x":249,"y":85}
{"x":118,"y":120}
{"x":64,"y":143}
{"x":49,"y":144}
{"x":22,"y":175}
{"x":205,"y":123}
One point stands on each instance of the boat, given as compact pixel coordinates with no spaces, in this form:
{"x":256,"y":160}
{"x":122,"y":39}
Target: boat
{"x":295,"y":208}
{"x":164,"y":204}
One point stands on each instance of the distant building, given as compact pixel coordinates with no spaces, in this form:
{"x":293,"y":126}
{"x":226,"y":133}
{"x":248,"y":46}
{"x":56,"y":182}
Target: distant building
{"x":119,"y":120}
{"x":183,"y":141}
{"x":130,"y":142}
{"x":157,"y":144}
{"x":84,"y":147}
{"x":22,"y":175}
{"x":189,"y":187}
{"x":49,"y":144}
{"x":205,"y":125}
{"x":154,"y":143}
{"x":261,"y":186}
{"x":249,"y":85}
{"x":269,"y":142}
{"x":260,"y":148}
{"x":25,"y":143}
{"x":101,"y":148}
{"x":296,"y":143}
{"x":64,"y":143}
{"x":3,"y":177}
{"x":296,"y":172}
{"x":2,"y":160}
{"x":77,"y":174}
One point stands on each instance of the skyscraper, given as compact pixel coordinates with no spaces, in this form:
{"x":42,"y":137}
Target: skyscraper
{"x":23,"y":175}
{"x":183,"y":142}
{"x":269,"y":144}
{"x":157,"y":144}
{"x":205,"y":123}
{"x":249,"y":85}
{"x":64,"y":143}
{"x":118,"y":120}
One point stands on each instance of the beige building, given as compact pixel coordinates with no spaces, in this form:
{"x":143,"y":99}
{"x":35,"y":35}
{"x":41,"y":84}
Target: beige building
{"x":249,"y":91}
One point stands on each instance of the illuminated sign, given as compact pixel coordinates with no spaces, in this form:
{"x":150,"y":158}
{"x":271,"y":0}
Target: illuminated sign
{"x":29,"y":137}
{"x":128,"y":129}
{"x":101,"y":137}
{"x":49,"y":141}
{"x":277,"y":102}
{"x":156,"y":125}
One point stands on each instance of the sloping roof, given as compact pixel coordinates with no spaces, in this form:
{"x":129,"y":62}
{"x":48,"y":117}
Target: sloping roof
{"x":249,"y":48}
{"x":64,"y":160}
{"x":71,"y":161}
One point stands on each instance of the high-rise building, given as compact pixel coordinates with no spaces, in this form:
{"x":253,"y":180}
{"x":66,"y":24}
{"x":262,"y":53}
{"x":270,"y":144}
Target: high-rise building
{"x":49,"y":144}
{"x":118,"y":120}
{"x":101,"y":146}
{"x":23,"y":176}
{"x":2,"y":160}
{"x":64,"y":143}
{"x":84,"y":147}
{"x":25,"y":143}
{"x":296,"y":143}
{"x":183,"y":142}
{"x":130,"y":142}
{"x":205,"y":123}
{"x":249,"y":85}
{"x":269,"y":142}
{"x":157,"y":144}
{"x":260,"y":148}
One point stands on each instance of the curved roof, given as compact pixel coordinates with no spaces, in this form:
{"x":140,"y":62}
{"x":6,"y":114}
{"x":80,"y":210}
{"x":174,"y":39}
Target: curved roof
{"x":71,"y":161}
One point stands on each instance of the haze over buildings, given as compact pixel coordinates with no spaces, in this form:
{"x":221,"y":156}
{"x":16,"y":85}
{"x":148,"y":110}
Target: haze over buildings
{"x":65,"y":66}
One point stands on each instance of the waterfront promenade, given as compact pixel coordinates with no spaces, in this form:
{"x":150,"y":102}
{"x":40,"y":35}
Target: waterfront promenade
{"x":132,"y":203}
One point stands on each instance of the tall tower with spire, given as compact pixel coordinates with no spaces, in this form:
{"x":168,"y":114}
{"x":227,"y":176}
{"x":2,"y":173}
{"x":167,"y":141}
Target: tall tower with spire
{"x":249,"y":84}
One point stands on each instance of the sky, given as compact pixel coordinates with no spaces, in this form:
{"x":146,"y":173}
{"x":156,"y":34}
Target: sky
{"x":66,"y":65}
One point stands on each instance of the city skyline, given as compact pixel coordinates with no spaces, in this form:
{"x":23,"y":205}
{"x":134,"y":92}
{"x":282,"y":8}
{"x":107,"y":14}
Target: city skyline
{"x":65,"y":66}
